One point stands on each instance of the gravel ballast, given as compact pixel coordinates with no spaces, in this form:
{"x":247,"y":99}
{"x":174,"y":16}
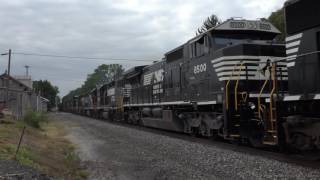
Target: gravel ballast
{"x":12,"y":170}
{"x":110,"y":151}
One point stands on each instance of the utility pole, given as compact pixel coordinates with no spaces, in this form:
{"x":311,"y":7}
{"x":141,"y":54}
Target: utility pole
{"x":57,"y":104}
{"x":9,"y":62}
{"x":8,"y":81}
{"x":8,"y":73}
{"x":27,"y":70}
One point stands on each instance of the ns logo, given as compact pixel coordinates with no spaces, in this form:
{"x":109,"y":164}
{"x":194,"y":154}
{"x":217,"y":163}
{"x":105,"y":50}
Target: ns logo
{"x":200,"y":68}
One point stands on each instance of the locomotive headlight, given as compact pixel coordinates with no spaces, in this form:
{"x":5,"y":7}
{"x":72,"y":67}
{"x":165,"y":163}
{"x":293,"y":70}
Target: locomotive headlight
{"x":252,"y":105}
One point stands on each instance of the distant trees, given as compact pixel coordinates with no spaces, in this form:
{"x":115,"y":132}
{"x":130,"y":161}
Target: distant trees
{"x":46,"y":90}
{"x":102,"y":74}
{"x":210,"y":22}
{"x":277,"y":19}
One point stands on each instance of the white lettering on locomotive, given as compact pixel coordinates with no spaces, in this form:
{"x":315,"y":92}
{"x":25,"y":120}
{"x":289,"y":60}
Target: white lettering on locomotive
{"x":111,"y":92}
{"x":157,"y":89}
{"x":157,"y":77}
{"x":200,"y":68}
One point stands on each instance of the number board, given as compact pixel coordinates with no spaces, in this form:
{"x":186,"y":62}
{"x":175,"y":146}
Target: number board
{"x":251,"y":25}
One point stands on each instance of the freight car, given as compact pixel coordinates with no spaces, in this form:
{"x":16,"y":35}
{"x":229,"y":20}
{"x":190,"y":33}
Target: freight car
{"x":215,"y":84}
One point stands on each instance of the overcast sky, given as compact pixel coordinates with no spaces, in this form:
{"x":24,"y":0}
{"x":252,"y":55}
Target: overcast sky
{"x":134,"y":29}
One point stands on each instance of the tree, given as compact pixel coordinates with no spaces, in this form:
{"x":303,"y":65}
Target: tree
{"x":46,"y":90}
{"x":277,"y":19}
{"x":209,"y":23}
{"x":102,"y":74}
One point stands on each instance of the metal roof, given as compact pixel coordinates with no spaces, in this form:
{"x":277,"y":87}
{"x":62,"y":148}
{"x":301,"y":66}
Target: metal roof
{"x":241,"y":25}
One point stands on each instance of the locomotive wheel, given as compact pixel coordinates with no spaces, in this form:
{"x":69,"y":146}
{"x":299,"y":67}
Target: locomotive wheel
{"x":254,"y":142}
{"x":135,"y":122}
{"x":204,"y":130}
{"x":300,"y":141}
{"x":194,"y":132}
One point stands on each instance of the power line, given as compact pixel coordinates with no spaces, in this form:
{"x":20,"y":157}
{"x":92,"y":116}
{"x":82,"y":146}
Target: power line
{"x":82,"y":58}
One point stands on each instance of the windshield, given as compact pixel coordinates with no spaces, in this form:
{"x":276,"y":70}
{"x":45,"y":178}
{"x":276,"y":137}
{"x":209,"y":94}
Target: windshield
{"x":228,"y":41}
{"x":222,"y":40}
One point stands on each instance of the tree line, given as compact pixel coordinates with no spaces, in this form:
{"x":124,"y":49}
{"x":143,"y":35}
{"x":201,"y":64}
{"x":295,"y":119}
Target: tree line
{"x":45,"y":89}
{"x":103,"y":74}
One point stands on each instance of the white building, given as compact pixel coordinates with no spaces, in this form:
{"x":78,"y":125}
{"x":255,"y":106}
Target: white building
{"x":26,"y":80}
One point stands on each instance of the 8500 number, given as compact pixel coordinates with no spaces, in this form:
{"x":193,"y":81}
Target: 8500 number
{"x":200,"y":68}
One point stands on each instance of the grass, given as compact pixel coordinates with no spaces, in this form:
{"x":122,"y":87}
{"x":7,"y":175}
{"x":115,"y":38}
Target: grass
{"x":43,"y":147}
{"x":34,"y":119}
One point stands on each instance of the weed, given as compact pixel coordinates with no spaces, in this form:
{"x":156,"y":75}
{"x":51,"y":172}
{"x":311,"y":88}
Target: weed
{"x":26,"y":157}
{"x":20,"y":124}
{"x":83,"y":174}
{"x":7,"y":151}
{"x":46,"y":150}
{"x":34,"y":119}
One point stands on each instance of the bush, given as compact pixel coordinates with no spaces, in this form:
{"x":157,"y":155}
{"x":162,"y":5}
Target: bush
{"x":26,"y":157}
{"x":34,"y":119}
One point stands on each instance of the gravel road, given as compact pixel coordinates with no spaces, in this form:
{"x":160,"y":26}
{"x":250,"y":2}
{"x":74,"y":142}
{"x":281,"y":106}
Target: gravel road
{"x":111,"y":151}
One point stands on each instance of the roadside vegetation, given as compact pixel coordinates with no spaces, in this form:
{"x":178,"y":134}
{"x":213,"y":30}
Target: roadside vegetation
{"x":43,"y":146}
{"x":35,"y":119}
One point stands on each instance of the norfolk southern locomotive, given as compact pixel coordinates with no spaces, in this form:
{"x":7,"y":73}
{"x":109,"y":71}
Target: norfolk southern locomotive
{"x":299,"y":111}
{"x":231,"y":82}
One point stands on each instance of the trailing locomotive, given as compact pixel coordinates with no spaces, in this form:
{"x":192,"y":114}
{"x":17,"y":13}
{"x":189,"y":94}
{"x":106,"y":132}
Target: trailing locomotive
{"x":299,"y":111}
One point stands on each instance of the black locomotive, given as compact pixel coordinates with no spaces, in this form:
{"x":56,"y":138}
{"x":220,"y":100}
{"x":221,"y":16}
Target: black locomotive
{"x":233,"y":81}
{"x":299,"y":111}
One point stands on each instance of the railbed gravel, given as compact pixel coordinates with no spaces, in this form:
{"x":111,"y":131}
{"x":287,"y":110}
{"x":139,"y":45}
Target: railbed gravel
{"x":128,"y":153}
{"x":12,"y":170}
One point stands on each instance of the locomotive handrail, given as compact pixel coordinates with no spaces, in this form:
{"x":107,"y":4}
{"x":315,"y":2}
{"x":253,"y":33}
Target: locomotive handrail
{"x":273,"y":77}
{"x":300,"y":55}
{"x":236,"y":87}
{"x":227,"y":86}
{"x":260,"y":94}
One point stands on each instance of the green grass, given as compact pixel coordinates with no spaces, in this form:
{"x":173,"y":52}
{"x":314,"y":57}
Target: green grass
{"x":34,"y":119}
{"x":70,"y":161}
{"x":24,"y":156}
{"x":6,"y":151}
{"x":44,"y":148}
